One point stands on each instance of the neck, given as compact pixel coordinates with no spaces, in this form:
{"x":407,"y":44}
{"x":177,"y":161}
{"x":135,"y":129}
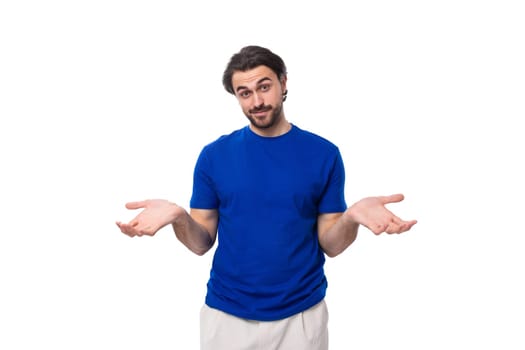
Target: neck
{"x":278,"y":129}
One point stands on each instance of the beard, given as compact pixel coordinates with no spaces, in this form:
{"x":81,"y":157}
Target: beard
{"x":268,"y":122}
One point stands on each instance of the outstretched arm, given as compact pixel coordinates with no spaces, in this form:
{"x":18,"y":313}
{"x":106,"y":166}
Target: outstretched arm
{"x":338,"y":230}
{"x":196,"y":231}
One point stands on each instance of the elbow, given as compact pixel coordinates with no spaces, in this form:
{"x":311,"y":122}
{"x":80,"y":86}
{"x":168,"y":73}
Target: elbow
{"x":200,"y":251}
{"x":332,"y":253}
{"x":331,"y":250}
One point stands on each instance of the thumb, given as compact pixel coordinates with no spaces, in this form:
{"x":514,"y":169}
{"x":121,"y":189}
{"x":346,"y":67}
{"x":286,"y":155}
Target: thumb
{"x":136,"y":205}
{"x":394,"y":198}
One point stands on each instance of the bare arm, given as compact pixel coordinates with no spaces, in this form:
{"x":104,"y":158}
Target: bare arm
{"x":338,"y":230}
{"x":196,"y":231}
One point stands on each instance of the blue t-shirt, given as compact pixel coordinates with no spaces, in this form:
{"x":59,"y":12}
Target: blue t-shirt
{"x":268,"y":191}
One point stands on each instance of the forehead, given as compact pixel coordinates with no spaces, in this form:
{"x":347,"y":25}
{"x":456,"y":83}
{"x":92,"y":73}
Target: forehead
{"x":251,"y":77}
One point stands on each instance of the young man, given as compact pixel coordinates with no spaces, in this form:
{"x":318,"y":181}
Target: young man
{"x":273,"y":194}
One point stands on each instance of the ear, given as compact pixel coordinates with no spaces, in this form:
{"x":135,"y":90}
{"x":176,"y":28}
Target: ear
{"x":283,"y":79}
{"x":283,"y":87}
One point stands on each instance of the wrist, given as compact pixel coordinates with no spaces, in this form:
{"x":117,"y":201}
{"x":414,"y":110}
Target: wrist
{"x":349,"y":217}
{"x":177,"y":214}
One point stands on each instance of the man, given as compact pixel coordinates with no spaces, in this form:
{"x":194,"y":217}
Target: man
{"x":273,"y":194}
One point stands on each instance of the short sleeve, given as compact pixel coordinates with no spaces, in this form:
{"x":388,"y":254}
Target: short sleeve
{"x":333,"y":199}
{"x":204,"y":195}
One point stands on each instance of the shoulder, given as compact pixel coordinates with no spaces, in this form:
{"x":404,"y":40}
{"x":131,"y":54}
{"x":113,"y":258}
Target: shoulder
{"x":314,"y":139}
{"x":225,"y":141}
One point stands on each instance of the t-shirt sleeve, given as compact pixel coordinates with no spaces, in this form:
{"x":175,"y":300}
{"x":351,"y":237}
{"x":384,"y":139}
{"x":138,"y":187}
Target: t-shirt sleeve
{"x":204,"y":195}
{"x":333,"y":199}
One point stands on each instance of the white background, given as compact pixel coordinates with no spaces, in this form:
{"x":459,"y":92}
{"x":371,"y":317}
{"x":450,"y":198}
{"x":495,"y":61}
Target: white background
{"x":104,"y":102}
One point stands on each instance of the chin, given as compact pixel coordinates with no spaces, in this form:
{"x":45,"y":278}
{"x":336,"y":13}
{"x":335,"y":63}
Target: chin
{"x":263,"y":125}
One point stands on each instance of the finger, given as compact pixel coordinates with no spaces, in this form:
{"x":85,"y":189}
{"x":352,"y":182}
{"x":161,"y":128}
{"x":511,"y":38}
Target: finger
{"x":393,"y":228}
{"x":405,"y":226}
{"x":394,"y":198}
{"x":127,"y":229}
{"x":136,"y":205}
{"x":409,"y":224}
{"x":395,"y":219}
{"x":378,"y":228}
{"x":120,"y":225}
{"x":134,"y":228}
{"x":147,"y":231}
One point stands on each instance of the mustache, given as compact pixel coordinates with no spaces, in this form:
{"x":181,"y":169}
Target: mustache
{"x":264,"y":108}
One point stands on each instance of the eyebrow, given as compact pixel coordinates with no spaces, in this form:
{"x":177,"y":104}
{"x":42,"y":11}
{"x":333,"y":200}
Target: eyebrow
{"x":241,"y":87}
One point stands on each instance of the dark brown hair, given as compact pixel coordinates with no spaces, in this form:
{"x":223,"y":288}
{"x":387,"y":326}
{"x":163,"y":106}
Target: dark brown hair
{"x":250,"y":57}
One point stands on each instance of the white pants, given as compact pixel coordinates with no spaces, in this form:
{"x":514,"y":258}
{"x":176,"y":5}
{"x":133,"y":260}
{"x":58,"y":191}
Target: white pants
{"x":307,"y":330}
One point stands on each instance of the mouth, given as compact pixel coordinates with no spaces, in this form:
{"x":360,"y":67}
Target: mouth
{"x":258,"y":113}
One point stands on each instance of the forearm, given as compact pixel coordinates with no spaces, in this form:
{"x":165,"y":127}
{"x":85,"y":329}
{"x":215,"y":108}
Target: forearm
{"x":192,"y":234}
{"x":339,"y":236}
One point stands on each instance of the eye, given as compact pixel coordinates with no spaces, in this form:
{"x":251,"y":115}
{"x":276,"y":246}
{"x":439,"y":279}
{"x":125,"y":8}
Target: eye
{"x":244,"y":93}
{"x":265,"y":87}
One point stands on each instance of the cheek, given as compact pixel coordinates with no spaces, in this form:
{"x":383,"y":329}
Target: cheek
{"x":245,"y":104}
{"x":275,"y":99}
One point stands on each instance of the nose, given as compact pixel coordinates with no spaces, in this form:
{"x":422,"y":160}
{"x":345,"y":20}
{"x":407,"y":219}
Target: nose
{"x":258,"y":100}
